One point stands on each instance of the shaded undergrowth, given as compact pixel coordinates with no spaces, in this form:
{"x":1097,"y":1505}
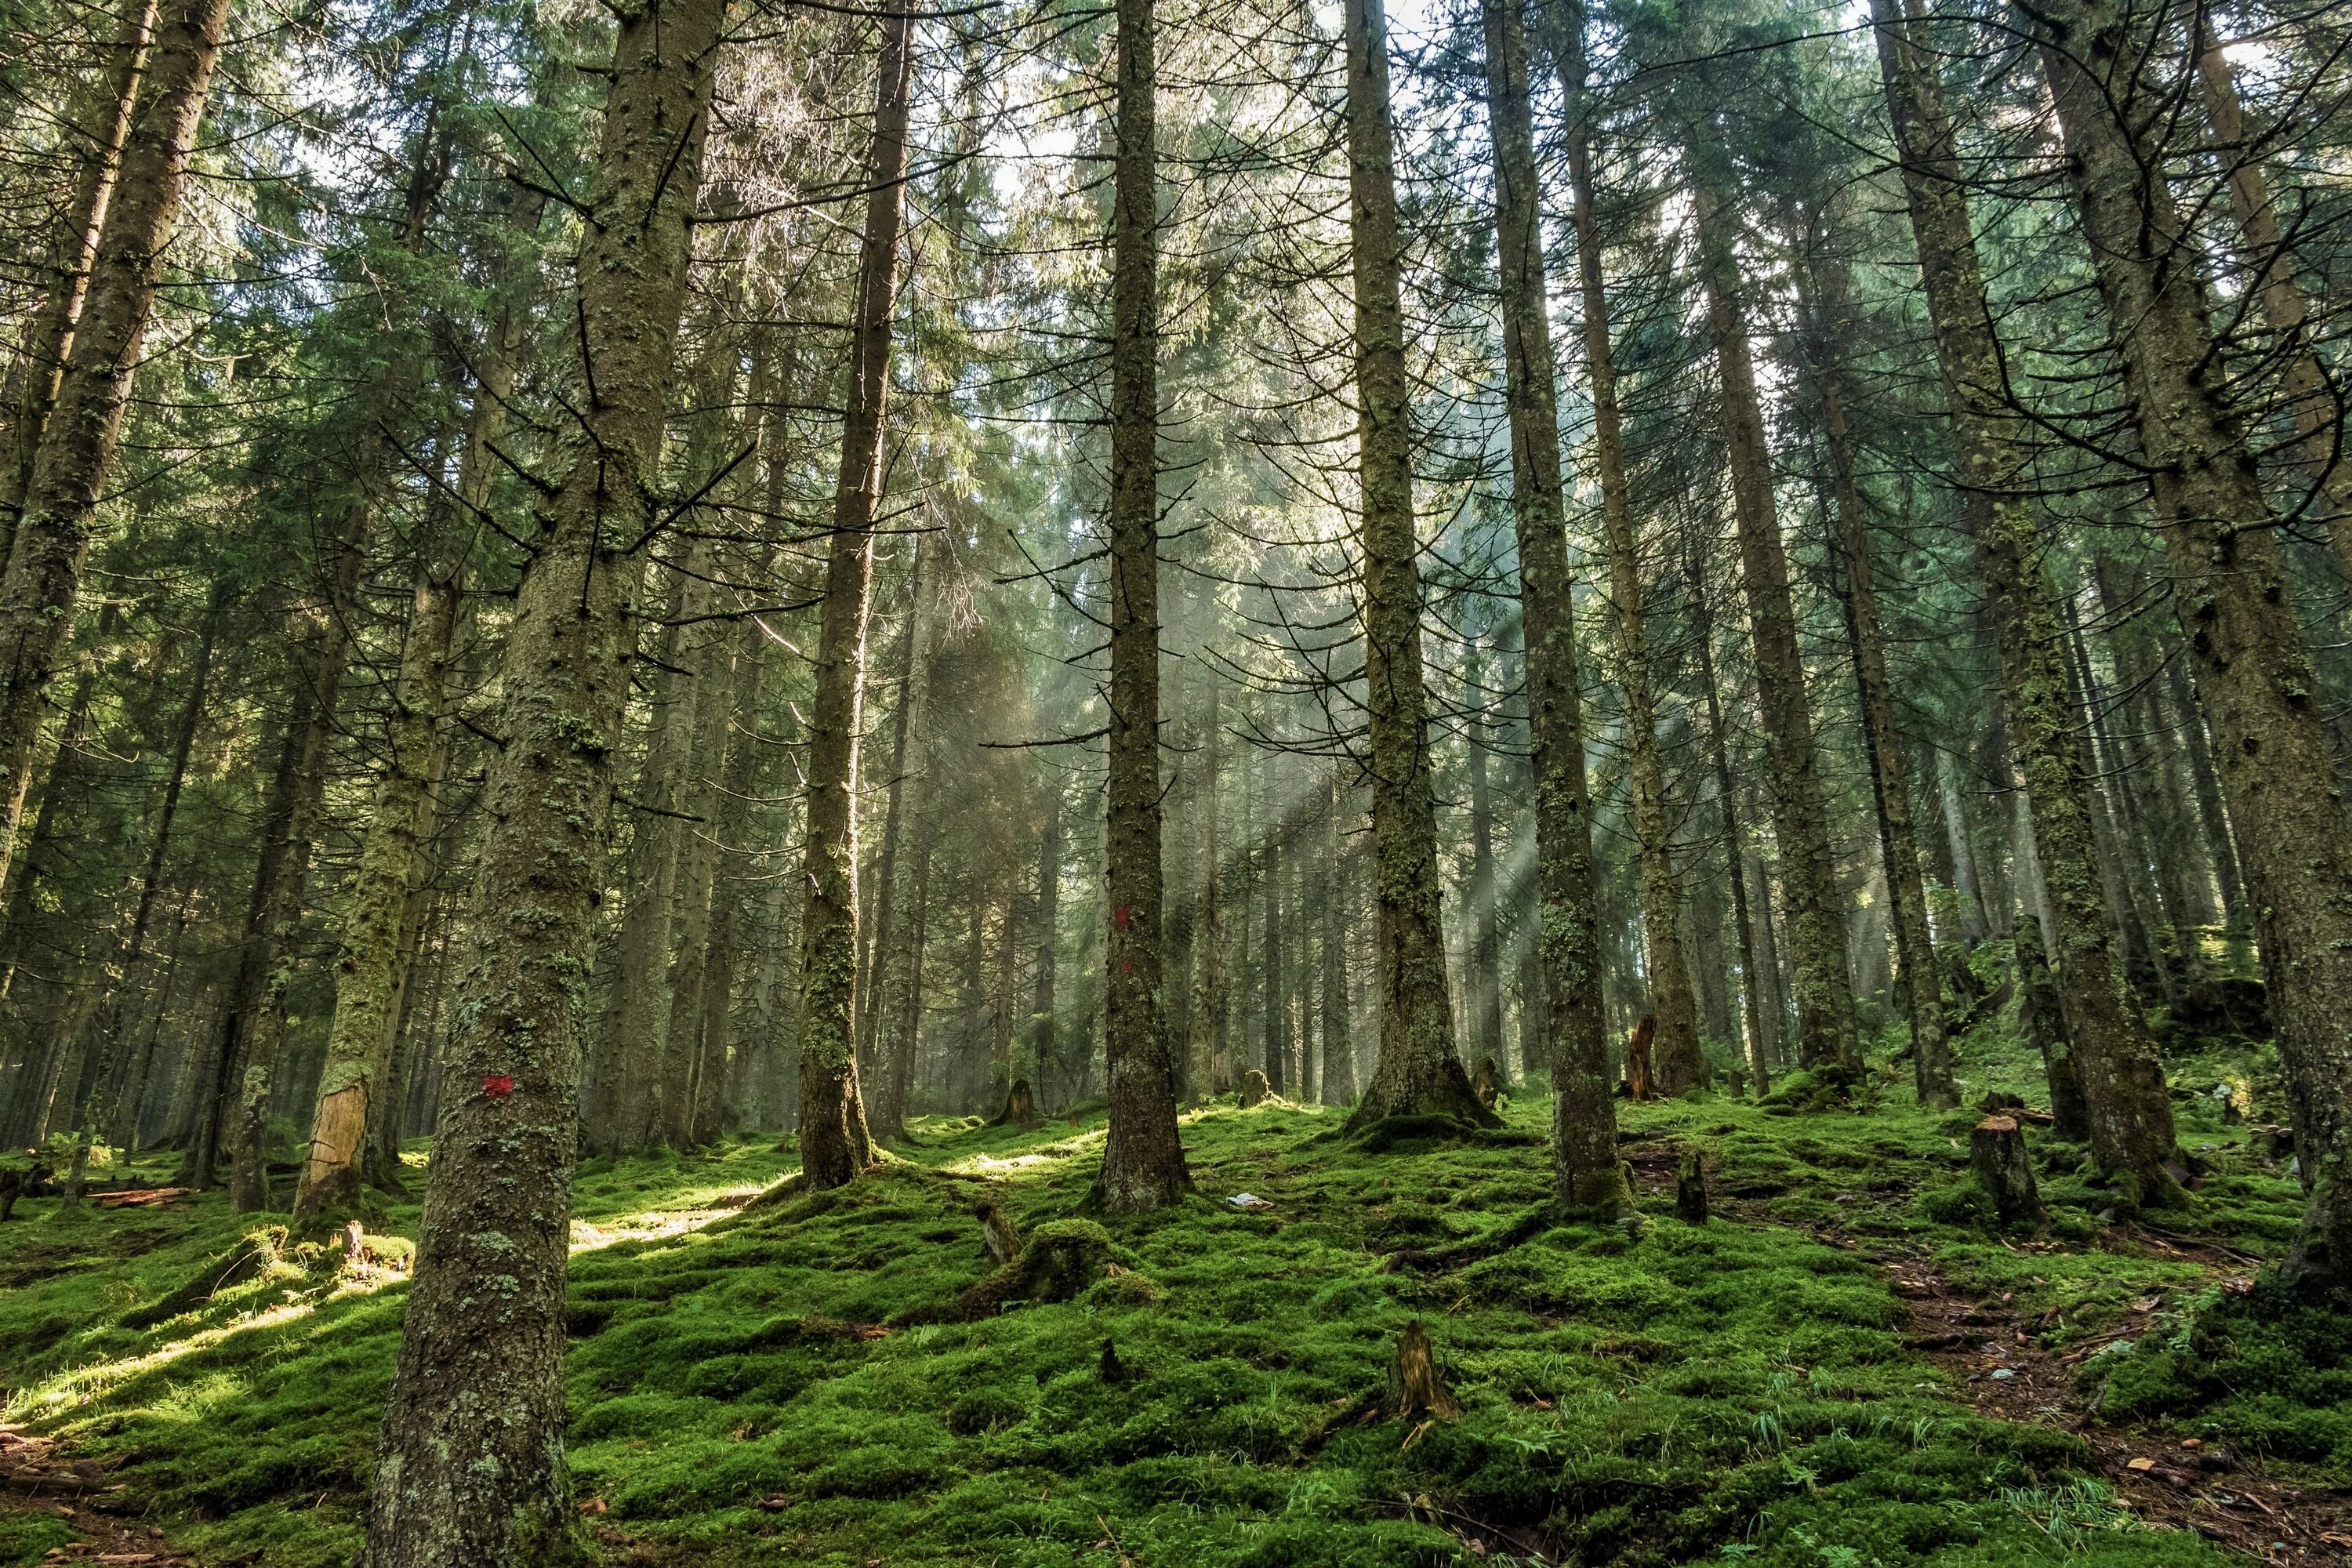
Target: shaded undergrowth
{"x":761,"y":1388}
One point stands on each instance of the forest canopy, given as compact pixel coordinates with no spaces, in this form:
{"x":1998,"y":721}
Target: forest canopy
{"x":1419,"y":720}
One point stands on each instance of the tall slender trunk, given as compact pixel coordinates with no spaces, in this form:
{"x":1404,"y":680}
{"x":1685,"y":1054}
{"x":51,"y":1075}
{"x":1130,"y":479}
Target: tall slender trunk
{"x":1923,"y":991}
{"x":2252,"y":671}
{"x":1678,"y":1065}
{"x":1588,"y":1178}
{"x":691,"y":1112}
{"x":1485,"y":977}
{"x":876,"y":955}
{"x":2130,"y":1119}
{"x":96,"y":1114}
{"x":1143,"y":1157}
{"x":1418,"y":1073}
{"x":1206,"y":1015}
{"x":1965,"y":880}
{"x":101,"y":125}
{"x":1044,"y":1042}
{"x":1334,"y":1079}
{"x":1826,"y":1028}
{"x":2309,"y":392}
{"x":1760,"y":996}
{"x":469,"y":1469}
{"x":60,"y":518}
{"x":834,"y":1144}
{"x":385,"y":901}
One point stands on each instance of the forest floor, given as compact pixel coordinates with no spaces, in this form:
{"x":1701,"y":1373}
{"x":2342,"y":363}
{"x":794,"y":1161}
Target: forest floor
{"x":1842,"y":1368}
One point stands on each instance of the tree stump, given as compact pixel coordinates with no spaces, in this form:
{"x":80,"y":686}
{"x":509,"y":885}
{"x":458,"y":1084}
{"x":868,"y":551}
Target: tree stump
{"x":1020,"y":1106}
{"x":1996,"y":1154}
{"x":1415,"y":1388}
{"x":1637,"y":1056}
{"x":1486,"y":1083}
{"x":1255,"y":1090}
{"x":1112,"y":1370}
{"x":1690,"y":1189}
{"x":997,"y":1237}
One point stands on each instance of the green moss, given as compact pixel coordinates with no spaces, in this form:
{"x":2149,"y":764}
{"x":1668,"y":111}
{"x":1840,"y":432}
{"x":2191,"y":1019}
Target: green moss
{"x":749,"y":1387}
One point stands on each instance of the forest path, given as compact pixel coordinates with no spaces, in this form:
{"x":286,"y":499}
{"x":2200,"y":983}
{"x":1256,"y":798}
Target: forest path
{"x":1999,"y":1366}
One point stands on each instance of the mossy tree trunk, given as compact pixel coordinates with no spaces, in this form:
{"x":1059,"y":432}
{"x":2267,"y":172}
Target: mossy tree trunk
{"x":1143,"y":1158}
{"x":1588,"y":1178}
{"x":1826,"y":1028}
{"x":469,"y":1469}
{"x":2131,"y":1132}
{"x":2254,"y":674}
{"x":1418,"y":1072}
{"x":834,"y":1143}
{"x":1760,"y":996}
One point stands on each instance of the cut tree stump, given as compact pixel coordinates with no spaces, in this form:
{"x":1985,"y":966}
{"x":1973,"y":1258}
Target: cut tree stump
{"x":1020,"y":1106}
{"x":1255,"y":1090}
{"x":1416,"y":1390}
{"x":1996,"y":1154}
{"x":1487,"y":1083}
{"x":1690,"y":1189}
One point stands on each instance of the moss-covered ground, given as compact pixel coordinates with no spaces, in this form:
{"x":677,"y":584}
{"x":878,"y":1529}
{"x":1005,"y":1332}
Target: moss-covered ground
{"x":747,"y":1388}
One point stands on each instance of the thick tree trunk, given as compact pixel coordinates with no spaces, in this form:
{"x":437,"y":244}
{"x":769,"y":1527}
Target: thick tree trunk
{"x":469,"y":1469}
{"x":60,"y":516}
{"x":1143,"y":1158}
{"x":2131,"y":1130}
{"x":834,"y":1144}
{"x":1418,"y":1073}
{"x":2253,"y":673}
{"x":1588,"y":1178}
{"x":1923,"y":991}
{"x":1826,"y":1028}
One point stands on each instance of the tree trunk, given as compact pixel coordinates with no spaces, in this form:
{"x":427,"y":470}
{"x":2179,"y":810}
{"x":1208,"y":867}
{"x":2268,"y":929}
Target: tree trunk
{"x":1043,"y":1038}
{"x":886,"y":871}
{"x":1588,"y":1178}
{"x":102,"y":122}
{"x":2253,"y":673}
{"x":1418,"y":1072}
{"x":1757,"y":998}
{"x":2131,"y":1133}
{"x":77,"y":448}
{"x":834,"y":1144}
{"x":1143,"y":1157}
{"x":97,"y":1115}
{"x":2303,"y":382}
{"x":469,"y":1469}
{"x":1923,"y":991}
{"x":1826,"y":1030}
{"x":1206,"y":1015}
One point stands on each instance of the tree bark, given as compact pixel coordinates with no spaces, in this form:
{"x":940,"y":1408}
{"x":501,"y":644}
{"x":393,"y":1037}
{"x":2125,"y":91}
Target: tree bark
{"x":1826,"y":1028}
{"x":1143,"y":1157}
{"x":1418,"y":1072}
{"x":469,"y":1469}
{"x":101,"y":125}
{"x":78,"y":443}
{"x":1923,"y":991}
{"x":834,"y":1144}
{"x":1759,"y":997}
{"x":2131,"y":1132}
{"x":1588,"y":1178}
{"x":1206,"y":1015}
{"x":2253,"y":673}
